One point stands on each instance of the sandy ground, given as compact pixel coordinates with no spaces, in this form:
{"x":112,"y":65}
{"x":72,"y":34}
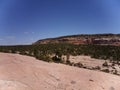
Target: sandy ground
{"x":19,"y":72}
{"x":89,"y":62}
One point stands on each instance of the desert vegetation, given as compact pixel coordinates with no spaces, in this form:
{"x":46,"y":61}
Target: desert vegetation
{"x":45,"y":51}
{"x":55,"y":53}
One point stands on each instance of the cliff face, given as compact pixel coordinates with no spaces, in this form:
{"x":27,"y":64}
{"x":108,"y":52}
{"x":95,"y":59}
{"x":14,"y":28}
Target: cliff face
{"x":109,"y":39}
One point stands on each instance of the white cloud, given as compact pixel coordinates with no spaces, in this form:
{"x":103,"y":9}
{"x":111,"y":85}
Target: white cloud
{"x":29,"y":32}
{"x":26,"y":32}
{"x":7,"y":38}
{"x":10,"y":37}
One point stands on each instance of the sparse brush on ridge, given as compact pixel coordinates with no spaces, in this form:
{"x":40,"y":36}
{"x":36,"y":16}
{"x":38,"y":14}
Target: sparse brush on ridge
{"x":48,"y":51}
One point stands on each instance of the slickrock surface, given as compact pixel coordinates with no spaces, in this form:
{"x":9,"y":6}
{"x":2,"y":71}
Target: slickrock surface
{"x":19,"y":72}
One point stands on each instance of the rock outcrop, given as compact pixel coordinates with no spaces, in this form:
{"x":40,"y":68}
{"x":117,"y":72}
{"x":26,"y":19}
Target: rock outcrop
{"x":19,"y":72}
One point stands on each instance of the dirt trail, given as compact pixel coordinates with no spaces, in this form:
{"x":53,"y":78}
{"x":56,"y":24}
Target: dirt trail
{"x":19,"y":72}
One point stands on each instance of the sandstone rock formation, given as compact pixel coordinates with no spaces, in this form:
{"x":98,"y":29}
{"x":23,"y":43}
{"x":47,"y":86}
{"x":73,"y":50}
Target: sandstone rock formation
{"x":19,"y":72}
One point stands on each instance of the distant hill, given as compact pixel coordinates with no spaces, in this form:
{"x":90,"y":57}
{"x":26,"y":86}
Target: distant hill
{"x":104,"y":39}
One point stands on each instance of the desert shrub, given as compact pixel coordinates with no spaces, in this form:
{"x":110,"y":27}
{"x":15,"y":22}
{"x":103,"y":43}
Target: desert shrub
{"x":105,"y":64}
{"x":106,"y":70}
{"x":78,"y":64}
{"x":115,"y":72}
{"x":97,"y":68}
{"x":56,"y":59}
{"x":68,"y":62}
{"x":44,"y":58}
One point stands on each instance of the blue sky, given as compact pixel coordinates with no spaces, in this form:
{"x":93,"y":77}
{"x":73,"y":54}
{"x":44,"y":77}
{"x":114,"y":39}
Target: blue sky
{"x":26,"y":21}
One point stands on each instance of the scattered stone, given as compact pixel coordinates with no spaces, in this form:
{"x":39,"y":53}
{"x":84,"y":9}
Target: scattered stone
{"x":91,"y":80}
{"x":73,"y":82}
